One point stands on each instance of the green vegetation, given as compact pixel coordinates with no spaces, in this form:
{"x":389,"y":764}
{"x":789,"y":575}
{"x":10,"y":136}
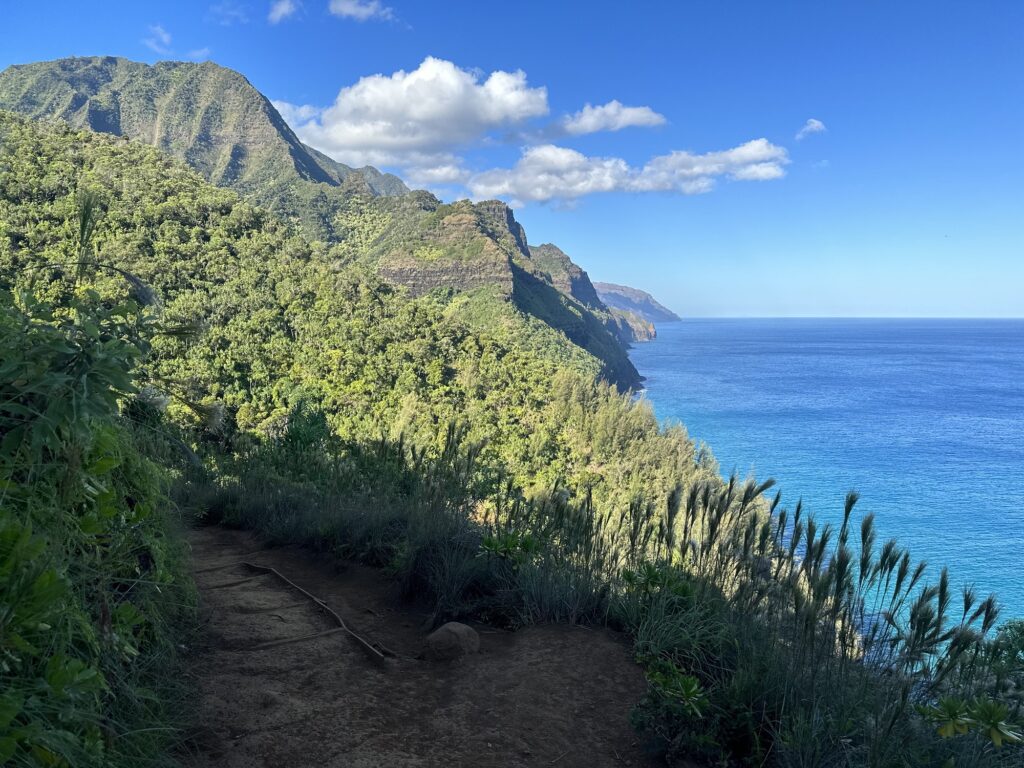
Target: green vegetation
{"x":93,"y":596}
{"x":214,"y":120}
{"x":202,"y":113}
{"x":493,"y":474}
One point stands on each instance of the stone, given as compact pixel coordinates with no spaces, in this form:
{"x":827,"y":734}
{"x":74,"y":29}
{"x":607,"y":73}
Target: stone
{"x":451,"y":641}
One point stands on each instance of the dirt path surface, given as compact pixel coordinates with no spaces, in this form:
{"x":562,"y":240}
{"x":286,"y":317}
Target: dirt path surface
{"x":543,"y":696}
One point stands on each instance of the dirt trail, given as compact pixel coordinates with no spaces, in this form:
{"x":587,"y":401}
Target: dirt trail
{"x":543,"y":696}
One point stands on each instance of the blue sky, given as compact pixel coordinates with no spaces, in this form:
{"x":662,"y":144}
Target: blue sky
{"x":686,"y":177}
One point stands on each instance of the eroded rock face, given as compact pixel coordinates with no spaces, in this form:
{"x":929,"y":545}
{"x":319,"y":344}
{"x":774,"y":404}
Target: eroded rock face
{"x":451,"y":641}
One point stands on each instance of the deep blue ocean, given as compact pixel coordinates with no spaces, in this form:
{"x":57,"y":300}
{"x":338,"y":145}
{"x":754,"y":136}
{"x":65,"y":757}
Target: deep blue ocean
{"x":924,"y":418}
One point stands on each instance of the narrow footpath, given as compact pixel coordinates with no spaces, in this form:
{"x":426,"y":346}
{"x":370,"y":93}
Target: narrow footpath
{"x":543,"y":696}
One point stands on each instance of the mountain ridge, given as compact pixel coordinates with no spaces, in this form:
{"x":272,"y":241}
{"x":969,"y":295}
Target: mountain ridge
{"x":217,"y":122}
{"x":640,"y":303}
{"x":210,"y":116}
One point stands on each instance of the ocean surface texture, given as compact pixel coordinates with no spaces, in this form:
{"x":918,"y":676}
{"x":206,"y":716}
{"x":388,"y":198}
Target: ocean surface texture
{"x":924,"y":418}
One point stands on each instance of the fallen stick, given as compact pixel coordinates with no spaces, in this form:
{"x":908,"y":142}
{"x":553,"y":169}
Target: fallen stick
{"x":255,"y":611}
{"x":374,"y":653}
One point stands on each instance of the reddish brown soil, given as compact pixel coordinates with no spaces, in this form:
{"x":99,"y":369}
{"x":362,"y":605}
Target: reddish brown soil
{"x":553,"y":695}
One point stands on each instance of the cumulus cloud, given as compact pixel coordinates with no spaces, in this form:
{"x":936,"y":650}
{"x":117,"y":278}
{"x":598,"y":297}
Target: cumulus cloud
{"x":811,"y":126}
{"x":613,"y":116}
{"x":421,"y":120}
{"x":361,"y":10}
{"x":550,"y":172}
{"x":416,"y":119}
{"x":281,"y":10}
{"x":159,"y":40}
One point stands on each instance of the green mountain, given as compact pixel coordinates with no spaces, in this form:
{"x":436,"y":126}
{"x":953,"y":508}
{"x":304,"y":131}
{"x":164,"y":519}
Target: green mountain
{"x":284,"y":321}
{"x":634,"y":300}
{"x":218,"y":123}
{"x":207,"y":115}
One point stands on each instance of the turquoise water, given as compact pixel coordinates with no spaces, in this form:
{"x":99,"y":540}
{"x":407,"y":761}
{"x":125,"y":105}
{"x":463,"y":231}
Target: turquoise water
{"x":924,"y":418}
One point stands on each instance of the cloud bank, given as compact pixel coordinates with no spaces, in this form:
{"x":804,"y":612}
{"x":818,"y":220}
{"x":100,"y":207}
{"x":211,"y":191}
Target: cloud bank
{"x":549,"y":172}
{"x":416,"y":119}
{"x":421,"y":121}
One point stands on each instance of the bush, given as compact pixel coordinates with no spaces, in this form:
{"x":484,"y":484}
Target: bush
{"x":92,"y":592}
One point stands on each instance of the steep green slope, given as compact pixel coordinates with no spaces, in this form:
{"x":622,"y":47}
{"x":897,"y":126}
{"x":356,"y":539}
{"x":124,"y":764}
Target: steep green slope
{"x":209,"y":116}
{"x":569,"y":278}
{"x":480,"y":251}
{"x":565,"y":275}
{"x":284,"y":321}
{"x":213,"y":119}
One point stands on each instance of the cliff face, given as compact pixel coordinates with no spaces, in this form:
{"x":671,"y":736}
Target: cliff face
{"x":631,"y":327}
{"x":462,"y":247}
{"x":427,"y":245}
{"x":564,"y":274}
{"x":636,"y":301}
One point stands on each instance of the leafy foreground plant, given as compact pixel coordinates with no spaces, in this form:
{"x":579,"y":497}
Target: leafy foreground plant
{"x":92,"y":592}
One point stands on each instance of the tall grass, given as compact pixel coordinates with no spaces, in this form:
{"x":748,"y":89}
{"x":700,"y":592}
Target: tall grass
{"x":768,"y":639}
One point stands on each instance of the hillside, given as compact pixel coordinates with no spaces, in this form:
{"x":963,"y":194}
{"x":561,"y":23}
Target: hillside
{"x":207,"y":115}
{"x":213,"y":119}
{"x":636,"y":301}
{"x":285,"y":320}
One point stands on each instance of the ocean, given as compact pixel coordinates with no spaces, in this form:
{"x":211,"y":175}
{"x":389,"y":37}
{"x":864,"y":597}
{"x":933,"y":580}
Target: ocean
{"x":923,"y":418}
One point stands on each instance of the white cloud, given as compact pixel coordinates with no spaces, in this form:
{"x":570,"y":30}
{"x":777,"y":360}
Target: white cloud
{"x":549,"y":172}
{"x":613,"y":116}
{"x":227,"y":13}
{"x":361,"y":10}
{"x":420,"y":121}
{"x":159,"y":40}
{"x":811,"y":126}
{"x":444,"y":173}
{"x":199,"y":54}
{"x":416,"y":119}
{"x":281,"y":10}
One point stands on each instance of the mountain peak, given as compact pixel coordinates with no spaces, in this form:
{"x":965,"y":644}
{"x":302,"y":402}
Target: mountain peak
{"x":208,"y":115}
